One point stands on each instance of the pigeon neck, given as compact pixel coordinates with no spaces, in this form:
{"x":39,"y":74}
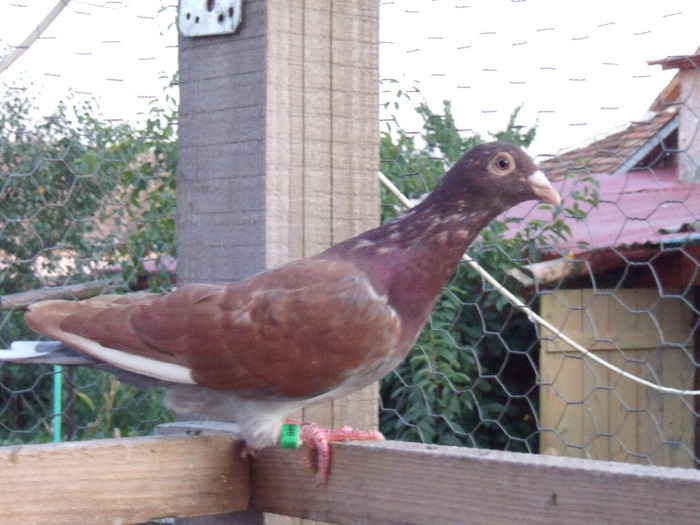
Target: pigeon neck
{"x":434,"y":240}
{"x":410,"y":259}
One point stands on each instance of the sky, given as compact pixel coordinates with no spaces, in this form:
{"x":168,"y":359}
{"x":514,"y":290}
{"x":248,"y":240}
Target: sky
{"x":578,"y":68}
{"x":112,"y":51}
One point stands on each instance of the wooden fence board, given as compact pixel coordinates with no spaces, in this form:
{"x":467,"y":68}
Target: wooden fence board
{"x":393,"y":482}
{"x":122,"y":480}
{"x":589,"y":411}
{"x":134,"y":479}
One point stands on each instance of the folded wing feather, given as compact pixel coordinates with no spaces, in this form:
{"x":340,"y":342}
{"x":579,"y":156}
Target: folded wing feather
{"x":297,"y":331}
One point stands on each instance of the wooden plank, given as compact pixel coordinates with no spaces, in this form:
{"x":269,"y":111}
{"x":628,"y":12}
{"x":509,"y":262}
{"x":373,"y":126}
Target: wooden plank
{"x":135,"y":479}
{"x":317,"y":194}
{"x":615,"y":319}
{"x":560,"y":379}
{"x":222,"y":211}
{"x":623,"y":319}
{"x":284,"y":159}
{"x":394,"y":482}
{"x":589,"y":408}
{"x":677,"y":417}
{"x":573,"y":379}
{"x":355,"y":129}
{"x":596,"y":397}
{"x":552,"y":405}
{"x":317,"y":127}
{"x":341,"y":153}
{"x":649,"y":415}
{"x":688,"y":128}
{"x":592,"y":411}
{"x":623,"y":412}
{"x":122,"y":480}
{"x":22,"y":300}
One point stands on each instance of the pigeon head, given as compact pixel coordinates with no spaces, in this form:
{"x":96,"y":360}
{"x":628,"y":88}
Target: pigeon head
{"x":498,"y":174}
{"x":410,"y":259}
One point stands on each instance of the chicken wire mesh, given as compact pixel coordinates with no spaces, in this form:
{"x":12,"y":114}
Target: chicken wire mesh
{"x":87,"y":190}
{"x":86,"y":195}
{"x":614,"y":268}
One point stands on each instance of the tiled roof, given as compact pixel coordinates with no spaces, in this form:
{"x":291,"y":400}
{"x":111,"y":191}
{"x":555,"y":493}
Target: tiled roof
{"x":638,"y":209}
{"x":642,"y":203}
{"x":608,"y":154}
{"x":678,"y":61}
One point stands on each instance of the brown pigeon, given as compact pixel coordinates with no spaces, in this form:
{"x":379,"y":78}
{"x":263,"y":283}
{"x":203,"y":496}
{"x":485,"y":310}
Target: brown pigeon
{"x":255,"y":350}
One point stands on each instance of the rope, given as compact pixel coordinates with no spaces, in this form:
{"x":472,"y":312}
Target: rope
{"x":534,"y":317}
{"x":33,"y":36}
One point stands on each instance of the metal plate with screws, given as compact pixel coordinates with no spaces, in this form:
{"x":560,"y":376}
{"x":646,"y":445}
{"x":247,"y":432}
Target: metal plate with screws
{"x":209,"y":17}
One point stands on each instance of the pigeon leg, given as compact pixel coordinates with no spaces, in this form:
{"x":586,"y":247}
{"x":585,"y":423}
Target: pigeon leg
{"x":317,"y":455}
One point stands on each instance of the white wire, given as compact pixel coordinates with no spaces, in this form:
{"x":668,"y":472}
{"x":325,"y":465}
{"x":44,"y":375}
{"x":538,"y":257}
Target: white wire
{"x":33,"y":36}
{"x":541,"y":321}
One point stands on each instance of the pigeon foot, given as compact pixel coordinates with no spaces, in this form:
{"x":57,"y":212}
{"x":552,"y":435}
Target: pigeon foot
{"x":316,"y":456}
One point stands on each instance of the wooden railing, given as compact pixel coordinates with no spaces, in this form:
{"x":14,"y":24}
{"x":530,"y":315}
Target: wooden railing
{"x":200,"y":469}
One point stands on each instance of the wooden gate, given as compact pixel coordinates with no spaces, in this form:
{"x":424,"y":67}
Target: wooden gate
{"x":587,"y":410}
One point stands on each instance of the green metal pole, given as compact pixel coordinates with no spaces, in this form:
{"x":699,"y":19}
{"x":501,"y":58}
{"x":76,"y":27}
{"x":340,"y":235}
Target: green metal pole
{"x":57,"y":402}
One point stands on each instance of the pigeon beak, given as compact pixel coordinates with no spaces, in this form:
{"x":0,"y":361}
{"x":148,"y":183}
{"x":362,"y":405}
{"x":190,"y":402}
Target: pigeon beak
{"x":543,"y":188}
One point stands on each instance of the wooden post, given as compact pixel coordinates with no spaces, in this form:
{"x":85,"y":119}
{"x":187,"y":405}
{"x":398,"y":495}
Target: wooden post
{"x":279,"y":147}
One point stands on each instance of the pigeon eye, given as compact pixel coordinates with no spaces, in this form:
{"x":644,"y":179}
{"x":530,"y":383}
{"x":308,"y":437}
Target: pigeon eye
{"x":502,"y":164}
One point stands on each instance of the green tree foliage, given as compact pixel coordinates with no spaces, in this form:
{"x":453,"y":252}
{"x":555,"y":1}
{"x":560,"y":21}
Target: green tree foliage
{"x":471,"y":378}
{"x":150,"y":201}
{"x":50,"y":192}
{"x":78,"y":193}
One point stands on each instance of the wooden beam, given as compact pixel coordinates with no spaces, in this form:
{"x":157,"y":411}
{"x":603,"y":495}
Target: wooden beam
{"x":122,"y":480}
{"x":135,"y":479}
{"x":587,"y":265}
{"x":394,"y":482}
{"x":22,"y":300}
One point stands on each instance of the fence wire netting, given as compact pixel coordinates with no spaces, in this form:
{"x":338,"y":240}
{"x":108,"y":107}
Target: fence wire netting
{"x":87,"y":198}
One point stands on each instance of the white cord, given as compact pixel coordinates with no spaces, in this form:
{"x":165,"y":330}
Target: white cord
{"x":541,"y":321}
{"x":33,"y":36}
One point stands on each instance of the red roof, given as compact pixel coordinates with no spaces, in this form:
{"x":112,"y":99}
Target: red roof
{"x":637,"y":209}
{"x":678,"y":62}
{"x":609,"y":153}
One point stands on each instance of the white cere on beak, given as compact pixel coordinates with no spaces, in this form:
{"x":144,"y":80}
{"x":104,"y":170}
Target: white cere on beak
{"x":543,"y":188}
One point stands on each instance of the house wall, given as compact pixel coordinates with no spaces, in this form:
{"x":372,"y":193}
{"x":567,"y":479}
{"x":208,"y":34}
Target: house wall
{"x":589,"y":411}
{"x":689,"y":126}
